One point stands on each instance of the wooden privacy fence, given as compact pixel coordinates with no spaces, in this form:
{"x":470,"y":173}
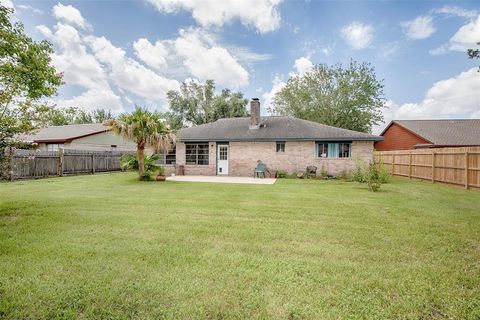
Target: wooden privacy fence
{"x":33,"y":164}
{"x":459,"y":166}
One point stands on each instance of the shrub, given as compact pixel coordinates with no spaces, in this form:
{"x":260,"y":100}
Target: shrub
{"x":373,"y":177}
{"x":147,"y":176}
{"x":345,"y":175}
{"x":360,"y":172}
{"x":161,"y":171}
{"x":383,"y":173}
{"x":282,"y":174}
{"x":130,"y":162}
{"x":323,"y":172}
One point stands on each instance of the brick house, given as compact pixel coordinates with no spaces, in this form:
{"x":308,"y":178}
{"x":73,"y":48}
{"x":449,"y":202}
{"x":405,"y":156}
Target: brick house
{"x":232,"y":146}
{"x":415,"y":134}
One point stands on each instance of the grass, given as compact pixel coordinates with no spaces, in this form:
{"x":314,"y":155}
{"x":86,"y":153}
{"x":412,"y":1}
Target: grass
{"x":109,"y":247}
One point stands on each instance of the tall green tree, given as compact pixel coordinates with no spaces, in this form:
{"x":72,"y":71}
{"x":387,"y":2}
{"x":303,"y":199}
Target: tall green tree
{"x":74,"y":115}
{"x":196,"y":103}
{"x":348,"y":97}
{"x":26,"y":77}
{"x":147,"y":129}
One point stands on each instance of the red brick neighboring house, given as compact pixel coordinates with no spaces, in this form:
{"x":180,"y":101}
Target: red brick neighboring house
{"x":415,"y":134}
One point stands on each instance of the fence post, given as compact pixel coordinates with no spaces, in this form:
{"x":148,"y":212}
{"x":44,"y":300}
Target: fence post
{"x":410,"y":165}
{"x":393,"y":164}
{"x":34,"y":165}
{"x":433,"y":166}
{"x":466,"y":169}
{"x":11,"y":155}
{"x":60,"y":162}
{"x":93,"y":163}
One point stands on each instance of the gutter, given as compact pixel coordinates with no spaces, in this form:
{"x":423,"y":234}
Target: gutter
{"x":284,"y":139}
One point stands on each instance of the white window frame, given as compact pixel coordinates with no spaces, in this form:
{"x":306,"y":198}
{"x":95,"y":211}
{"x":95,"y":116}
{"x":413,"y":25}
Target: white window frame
{"x":52,"y":147}
{"x":339,"y":154}
{"x":197,"y":155}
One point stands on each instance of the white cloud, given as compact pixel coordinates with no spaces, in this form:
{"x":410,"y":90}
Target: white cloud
{"x":245,"y":55}
{"x":389,"y":49}
{"x":358,"y":35}
{"x":79,"y":66}
{"x":7,"y":4}
{"x":107,"y":73}
{"x":300,"y":66}
{"x":71,"y":15}
{"x":30,"y":8}
{"x":205,"y":60}
{"x":93,"y":99}
{"x":127,"y":73}
{"x":303,"y":65}
{"x":457,"y":11}
{"x":419,"y":28}
{"x":268,"y":97}
{"x":456,"y":97}
{"x":264,"y":15}
{"x":154,"y":55}
{"x":465,"y":38}
{"x":327,"y":51}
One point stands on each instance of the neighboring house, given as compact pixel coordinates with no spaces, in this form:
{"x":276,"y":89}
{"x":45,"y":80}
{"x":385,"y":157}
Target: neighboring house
{"x":93,"y":136}
{"x":414,"y":134}
{"x":232,"y":146}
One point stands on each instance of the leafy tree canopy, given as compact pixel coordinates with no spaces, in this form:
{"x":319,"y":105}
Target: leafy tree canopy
{"x":73,"y":115}
{"x":26,"y":76}
{"x":348,"y":97}
{"x":196,"y":103}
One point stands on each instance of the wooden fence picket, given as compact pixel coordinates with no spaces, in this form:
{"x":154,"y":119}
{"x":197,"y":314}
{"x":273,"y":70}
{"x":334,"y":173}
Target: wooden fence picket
{"x":32,"y":163}
{"x":459,"y":166}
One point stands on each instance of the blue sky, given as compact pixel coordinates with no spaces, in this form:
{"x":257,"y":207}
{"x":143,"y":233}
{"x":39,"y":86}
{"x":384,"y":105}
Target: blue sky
{"x":118,"y":53}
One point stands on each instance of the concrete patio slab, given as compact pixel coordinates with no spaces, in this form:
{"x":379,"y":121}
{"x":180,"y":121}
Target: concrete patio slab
{"x":223,"y":179}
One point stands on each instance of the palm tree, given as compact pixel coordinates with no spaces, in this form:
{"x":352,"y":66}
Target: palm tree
{"x":146,"y":129}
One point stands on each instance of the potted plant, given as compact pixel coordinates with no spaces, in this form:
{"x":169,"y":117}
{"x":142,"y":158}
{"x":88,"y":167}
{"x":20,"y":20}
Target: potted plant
{"x":161,"y":174}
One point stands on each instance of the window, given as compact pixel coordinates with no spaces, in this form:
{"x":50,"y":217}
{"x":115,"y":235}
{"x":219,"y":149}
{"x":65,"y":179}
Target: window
{"x":54,"y":146}
{"x":113,"y":147}
{"x":281,"y":146}
{"x":223,"y":153}
{"x":334,"y":149}
{"x":169,"y":157}
{"x":196,"y":154}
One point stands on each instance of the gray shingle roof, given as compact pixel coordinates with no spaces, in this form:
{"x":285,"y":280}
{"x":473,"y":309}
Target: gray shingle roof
{"x":274,"y":129}
{"x":66,"y":133}
{"x":461,"y":132}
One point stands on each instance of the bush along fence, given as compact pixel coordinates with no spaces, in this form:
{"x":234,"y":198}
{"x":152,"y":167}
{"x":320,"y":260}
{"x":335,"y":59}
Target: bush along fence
{"x":25,"y":164}
{"x":460,"y":166}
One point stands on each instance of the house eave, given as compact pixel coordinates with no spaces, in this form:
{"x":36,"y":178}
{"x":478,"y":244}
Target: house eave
{"x":69,"y":139}
{"x":283,"y":139}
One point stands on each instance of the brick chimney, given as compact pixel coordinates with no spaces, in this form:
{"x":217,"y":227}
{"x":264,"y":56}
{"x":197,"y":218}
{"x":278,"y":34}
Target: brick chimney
{"x":255,"y":113}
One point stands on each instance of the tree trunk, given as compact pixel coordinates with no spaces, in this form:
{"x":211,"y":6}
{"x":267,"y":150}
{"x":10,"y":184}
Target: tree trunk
{"x":141,"y":165}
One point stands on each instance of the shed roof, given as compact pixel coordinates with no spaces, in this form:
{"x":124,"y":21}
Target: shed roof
{"x":66,"y":133}
{"x":446,"y":132}
{"x":273,"y":128}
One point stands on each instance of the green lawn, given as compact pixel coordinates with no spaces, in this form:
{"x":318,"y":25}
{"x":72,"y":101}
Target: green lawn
{"x":106,"y":246}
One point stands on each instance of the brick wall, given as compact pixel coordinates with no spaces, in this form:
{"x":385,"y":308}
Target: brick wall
{"x":398,"y":138}
{"x":297,"y":156}
{"x":202,"y":170}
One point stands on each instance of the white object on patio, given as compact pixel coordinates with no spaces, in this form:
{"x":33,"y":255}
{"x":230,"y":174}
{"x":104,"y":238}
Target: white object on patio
{"x":222,"y":179}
